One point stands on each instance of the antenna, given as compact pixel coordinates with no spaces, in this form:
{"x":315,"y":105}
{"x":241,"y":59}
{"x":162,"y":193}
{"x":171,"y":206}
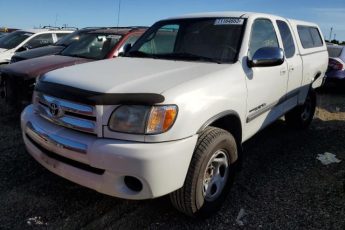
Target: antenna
{"x":56,"y":18}
{"x":330,"y":34}
{"x":118,"y":14}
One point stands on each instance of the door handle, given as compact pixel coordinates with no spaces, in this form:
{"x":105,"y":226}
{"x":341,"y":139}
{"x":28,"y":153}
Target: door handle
{"x":291,"y":69}
{"x":282,"y":72}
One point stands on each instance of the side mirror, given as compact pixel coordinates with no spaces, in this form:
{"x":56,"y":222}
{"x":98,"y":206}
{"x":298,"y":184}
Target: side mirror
{"x":125,"y":49}
{"x":23,"y":48}
{"x":266,"y":57}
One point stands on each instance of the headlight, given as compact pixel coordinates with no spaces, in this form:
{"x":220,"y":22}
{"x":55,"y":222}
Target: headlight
{"x":140,"y":119}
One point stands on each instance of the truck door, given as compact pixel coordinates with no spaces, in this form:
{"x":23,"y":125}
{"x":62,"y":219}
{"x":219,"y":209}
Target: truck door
{"x":266,"y":85}
{"x":295,"y":66}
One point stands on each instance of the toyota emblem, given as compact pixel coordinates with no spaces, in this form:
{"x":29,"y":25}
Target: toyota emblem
{"x":55,"y":110}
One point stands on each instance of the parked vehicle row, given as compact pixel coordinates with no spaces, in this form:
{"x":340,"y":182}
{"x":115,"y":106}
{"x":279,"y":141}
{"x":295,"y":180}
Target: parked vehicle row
{"x":169,"y":116}
{"x":19,"y":78}
{"x":336,"y":67}
{"x":4,"y":31}
{"x":22,"y":40}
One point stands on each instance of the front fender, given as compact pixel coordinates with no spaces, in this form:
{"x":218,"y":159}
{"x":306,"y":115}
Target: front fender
{"x":201,"y":100}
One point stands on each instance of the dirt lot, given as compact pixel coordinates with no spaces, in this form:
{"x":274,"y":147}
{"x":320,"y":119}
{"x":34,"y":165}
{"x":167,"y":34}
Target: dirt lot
{"x":282,"y":185}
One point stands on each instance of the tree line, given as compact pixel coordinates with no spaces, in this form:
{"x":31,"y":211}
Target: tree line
{"x":336,"y":42}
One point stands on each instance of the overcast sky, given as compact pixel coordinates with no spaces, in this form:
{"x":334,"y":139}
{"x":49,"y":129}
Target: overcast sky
{"x":82,"y":13}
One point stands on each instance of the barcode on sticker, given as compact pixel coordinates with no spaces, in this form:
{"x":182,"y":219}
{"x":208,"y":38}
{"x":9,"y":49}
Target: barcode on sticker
{"x":229,"y":21}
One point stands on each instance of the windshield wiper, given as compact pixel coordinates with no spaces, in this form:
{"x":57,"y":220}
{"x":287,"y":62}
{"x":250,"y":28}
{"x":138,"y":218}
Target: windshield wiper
{"x":137,"y":53}
{"x":188,"y":57}
{"x":75,"y":55}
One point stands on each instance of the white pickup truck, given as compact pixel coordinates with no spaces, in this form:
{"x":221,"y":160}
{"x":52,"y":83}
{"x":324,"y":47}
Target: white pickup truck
{"x":171,"y":115}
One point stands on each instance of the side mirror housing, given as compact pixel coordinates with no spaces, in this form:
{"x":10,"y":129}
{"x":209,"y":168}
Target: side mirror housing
{"x":267,"y":57}
{"x":23,"y":48}
{"x":125,"y":50}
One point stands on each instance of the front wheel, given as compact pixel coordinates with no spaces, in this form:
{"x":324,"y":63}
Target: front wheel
{"x":301,"y":116}
{"x":210,"y":174}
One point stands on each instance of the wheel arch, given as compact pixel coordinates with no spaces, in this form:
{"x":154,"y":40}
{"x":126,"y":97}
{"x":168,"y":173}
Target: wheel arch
{"x":228,"y":120}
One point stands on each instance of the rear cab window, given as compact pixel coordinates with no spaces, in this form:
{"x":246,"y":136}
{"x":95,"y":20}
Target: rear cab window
{"x":310,"y":37}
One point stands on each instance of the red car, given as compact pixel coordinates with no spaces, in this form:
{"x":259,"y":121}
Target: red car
{"x":18,"y":79}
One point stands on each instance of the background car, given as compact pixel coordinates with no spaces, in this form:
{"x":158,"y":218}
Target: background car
{"x":18,"y":79}
{"x":2,"y":34}
{"x":22,"y":40}
{"x":52,"y":49}
{"x":4,"y":31}
{"x":336,"y":67}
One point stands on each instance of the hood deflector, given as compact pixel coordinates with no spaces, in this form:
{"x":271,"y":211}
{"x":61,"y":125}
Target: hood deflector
{"x":95,"y":98}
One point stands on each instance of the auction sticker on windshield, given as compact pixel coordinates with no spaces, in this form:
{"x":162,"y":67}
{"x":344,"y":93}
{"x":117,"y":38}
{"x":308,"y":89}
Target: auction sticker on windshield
{"x":229,"y":21}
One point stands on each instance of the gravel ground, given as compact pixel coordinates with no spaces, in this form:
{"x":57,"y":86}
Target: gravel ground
{"x":282,"y":185}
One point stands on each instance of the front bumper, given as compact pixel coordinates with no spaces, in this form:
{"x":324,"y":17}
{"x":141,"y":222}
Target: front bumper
{"x":101,"y":164}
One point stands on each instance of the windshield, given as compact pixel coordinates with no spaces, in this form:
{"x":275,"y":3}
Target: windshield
{"x":13,"y":39}
{"x":2,"y":34}
{"x":335,"y":51}
{"x":93,"y":46}
{"x":203,"y":39}
{"x":69,"y":39}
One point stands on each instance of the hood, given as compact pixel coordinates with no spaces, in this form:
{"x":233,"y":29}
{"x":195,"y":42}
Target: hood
{"x":35,"y":67}
{"x":37,"y":52}
{"x":131,"y":75}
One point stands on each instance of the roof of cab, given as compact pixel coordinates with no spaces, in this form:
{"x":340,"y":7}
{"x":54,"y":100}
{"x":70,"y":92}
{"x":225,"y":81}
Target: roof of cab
{"x":298,"y":22}
{"x":236,"y":14}
{"x":35,"y":31}
{"x":118,"y":31}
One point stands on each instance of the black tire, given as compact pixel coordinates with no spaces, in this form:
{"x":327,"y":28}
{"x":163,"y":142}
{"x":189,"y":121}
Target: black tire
{"x":301,"y":116}
{"x":18,"y":95}
{"x":191,"y":199}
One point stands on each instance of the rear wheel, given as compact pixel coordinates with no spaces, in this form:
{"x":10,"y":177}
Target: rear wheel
{"x":301,"y":116}
{"x":210,"y":174}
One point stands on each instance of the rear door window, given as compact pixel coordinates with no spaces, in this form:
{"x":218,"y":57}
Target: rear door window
{"x":288,"y":42}
{"x":40,"y":40}
{"x":310,"y":37}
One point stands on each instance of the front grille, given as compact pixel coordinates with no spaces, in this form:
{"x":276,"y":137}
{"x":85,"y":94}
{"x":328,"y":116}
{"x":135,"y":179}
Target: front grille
{"x":65,"y":160}
{"x":65,"y":113}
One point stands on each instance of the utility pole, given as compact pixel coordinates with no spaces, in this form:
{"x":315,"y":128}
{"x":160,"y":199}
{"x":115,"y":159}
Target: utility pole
{"x":118,"y":13}
{"x":330,"y":34}
{"x":56,"y":18}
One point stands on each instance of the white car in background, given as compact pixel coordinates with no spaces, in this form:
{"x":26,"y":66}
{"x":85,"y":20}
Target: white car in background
{"x":336,"y":66}
{"x":22,"y":40}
